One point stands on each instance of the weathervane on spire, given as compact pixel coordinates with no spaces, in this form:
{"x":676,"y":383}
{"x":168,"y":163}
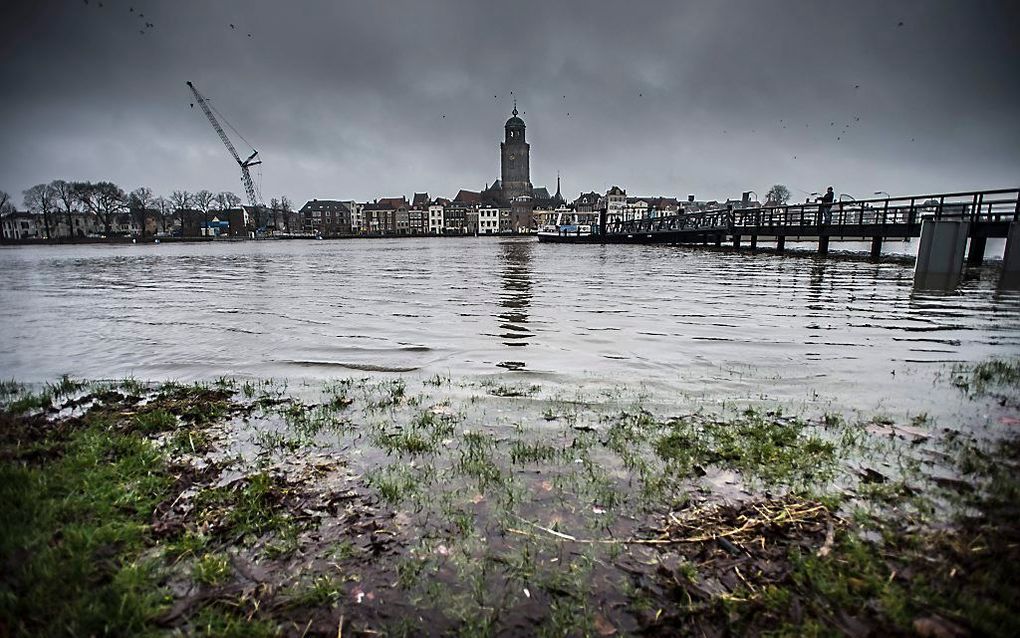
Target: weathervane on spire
{"x":515,"y":107}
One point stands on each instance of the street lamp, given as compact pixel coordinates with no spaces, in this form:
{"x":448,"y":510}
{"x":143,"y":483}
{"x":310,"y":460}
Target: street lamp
{"x":883,"y":193}
{"x":842,"y":195}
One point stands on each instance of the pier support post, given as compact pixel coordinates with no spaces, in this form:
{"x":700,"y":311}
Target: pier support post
{"x":736,"y":241}
{"x":876,"y":247}
{"x":976,"y":254}
{"x":718,"y":240}
{"x":823,"y":245}
{"x":1011,"y":259}
{"x":781,"y":244}
{"x":939,"y":263}
{"x":754,"y":242}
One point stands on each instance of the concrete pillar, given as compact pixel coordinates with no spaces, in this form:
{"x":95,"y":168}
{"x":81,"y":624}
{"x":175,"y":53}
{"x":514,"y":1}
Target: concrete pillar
{"x":736,"y":241}
{"x":876,"y":247}
{"x":754,"y":242}
{"x":781,"y":244}
{"x":823,"y":245}
{"x":1011,"y":259}
{"x":939,"y":263}
{"x":976,"y":254}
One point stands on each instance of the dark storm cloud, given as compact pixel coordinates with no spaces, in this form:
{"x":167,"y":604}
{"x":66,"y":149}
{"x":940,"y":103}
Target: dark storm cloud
{"x":347,"y":100}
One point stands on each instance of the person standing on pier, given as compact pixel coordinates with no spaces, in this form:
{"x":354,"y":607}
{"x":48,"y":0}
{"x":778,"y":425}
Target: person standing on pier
{"x":825,"y":210}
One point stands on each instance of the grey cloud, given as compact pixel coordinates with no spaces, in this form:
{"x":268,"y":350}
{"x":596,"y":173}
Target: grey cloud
{"x":347,"y":99}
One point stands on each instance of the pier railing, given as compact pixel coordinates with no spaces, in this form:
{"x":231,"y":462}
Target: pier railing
{"x":905,"y":213}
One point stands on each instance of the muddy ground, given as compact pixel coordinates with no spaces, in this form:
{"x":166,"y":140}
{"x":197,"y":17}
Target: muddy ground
{"x":391,"y":506}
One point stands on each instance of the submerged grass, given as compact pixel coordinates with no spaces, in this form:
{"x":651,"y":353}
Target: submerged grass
{"x":473,"y":520}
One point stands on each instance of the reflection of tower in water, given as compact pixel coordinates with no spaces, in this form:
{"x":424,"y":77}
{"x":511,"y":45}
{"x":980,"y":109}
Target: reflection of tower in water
{"x":515,"y":294}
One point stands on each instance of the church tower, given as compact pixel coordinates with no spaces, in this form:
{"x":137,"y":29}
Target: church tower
{"x":514,"y":160}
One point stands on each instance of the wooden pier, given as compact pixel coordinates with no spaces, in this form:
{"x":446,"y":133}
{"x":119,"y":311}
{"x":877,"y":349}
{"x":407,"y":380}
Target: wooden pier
{"x":978,"y":215}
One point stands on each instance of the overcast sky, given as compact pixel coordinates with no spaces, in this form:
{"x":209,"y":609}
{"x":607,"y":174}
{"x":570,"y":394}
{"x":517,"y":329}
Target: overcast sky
{"x":347,"y":100}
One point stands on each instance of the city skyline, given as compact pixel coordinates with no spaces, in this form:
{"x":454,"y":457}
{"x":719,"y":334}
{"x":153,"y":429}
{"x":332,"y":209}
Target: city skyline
{"x":373,"y":101}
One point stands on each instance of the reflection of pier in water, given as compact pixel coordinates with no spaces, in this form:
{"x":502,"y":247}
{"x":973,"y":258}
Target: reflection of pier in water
{"x":515,"y":294}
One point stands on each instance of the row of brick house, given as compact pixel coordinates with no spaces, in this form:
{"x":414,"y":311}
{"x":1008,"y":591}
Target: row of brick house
{"x":468,"y":213}
{"x":472,"y":213}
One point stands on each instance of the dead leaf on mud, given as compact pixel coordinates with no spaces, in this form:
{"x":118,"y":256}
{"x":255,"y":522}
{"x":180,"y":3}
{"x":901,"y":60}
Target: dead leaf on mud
{"x":603,"y":627}
{"x":938,"y":627}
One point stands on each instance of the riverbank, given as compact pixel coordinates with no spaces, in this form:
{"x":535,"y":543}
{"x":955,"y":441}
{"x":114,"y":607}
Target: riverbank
{"x":480,"y":508}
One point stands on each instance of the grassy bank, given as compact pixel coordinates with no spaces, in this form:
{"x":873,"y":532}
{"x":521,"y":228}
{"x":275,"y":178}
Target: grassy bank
{"x":404,"y":507}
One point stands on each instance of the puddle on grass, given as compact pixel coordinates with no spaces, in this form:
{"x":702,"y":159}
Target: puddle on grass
{"x":396,"y":504}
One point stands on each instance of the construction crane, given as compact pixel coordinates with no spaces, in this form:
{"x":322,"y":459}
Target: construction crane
{"x":249,"y":186}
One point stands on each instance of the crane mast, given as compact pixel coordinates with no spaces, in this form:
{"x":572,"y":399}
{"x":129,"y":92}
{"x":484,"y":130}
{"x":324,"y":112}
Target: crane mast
{"x":249,"y":186}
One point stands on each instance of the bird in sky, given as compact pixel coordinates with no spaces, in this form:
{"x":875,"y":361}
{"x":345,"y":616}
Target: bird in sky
{"x":232,"y":27}
{"x":192,"y":105}
{"x":900,"y":24}
{"x":857,"y":86}
{"x":131,"y":9}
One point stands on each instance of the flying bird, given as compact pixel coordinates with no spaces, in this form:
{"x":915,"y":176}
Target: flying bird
{"x":857,"y":86}
{"x":900,"y":24}
{"x":131,"y":9}
{"x":232,"y":27}
{"x":249,"y":35}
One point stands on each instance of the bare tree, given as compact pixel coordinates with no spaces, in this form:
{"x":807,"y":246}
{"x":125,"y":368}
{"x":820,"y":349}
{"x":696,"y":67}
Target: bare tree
{"x":102,"y":199}
{"x":5,"y":203}
{"x":181,"y":201}
{"x":40,"y":199}
{"x":139,"y":202}
{"x":163,"y":208}
{"x":286,"y":207}
{"x":777,"y":195}
{"x":226,"y":200}
{"x":274,"y":206}
{"x":63,"y":194}
{"x":203,"y":200}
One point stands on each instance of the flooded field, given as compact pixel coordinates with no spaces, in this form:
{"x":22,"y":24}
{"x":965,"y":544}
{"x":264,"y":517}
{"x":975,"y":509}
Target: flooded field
{"x":486,"y":437}
{"x":717,"y":325}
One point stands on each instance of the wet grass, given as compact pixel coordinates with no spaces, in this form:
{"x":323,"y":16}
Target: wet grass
{"x":559,"y":517}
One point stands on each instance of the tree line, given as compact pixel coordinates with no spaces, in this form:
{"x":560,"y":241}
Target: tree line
{"x":60,"y":200}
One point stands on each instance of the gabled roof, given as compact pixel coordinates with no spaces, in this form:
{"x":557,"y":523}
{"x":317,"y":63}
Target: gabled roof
{"x":420,"y":199}
{"x":616,"y":190}
{"x":393,"y":202}
{"x":540,"y":193}
{"x":467,"y":197}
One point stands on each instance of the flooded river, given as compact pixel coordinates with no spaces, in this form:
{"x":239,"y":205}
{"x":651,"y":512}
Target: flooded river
{"x":660,"y":320}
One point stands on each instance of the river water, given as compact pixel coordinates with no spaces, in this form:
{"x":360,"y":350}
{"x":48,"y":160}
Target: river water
{"x":665,"y":321}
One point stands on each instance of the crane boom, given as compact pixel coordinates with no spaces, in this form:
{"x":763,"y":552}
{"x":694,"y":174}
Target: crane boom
{"x":249,"y":186}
